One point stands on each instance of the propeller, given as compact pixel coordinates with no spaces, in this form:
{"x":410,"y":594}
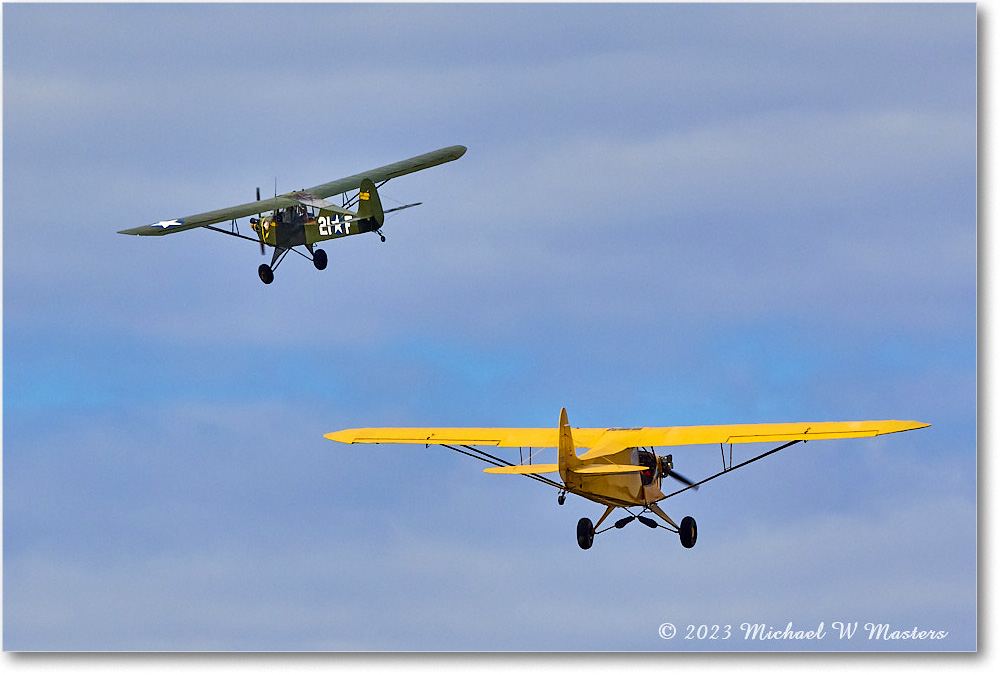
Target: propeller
{"x":259,"y":227}
{"x":667,"y":469}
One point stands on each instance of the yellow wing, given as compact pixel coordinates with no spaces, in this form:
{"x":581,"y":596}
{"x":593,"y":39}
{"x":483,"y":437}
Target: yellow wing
{"x":607,"y":441}
{"x":500,"y":437}
{"x":613,"y":440}
{"x":604,"y":442}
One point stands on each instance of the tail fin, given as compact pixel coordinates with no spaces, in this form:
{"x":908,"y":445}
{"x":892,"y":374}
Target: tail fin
{"x":369,"y":204}
{"x":567,"y":450}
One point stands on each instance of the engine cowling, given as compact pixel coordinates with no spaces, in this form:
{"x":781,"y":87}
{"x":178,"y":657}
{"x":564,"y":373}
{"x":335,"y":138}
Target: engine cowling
{"x":666,"y":465}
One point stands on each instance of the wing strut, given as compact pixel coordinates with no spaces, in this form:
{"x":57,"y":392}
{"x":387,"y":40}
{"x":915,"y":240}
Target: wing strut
{"x":496,"y":461}
{"x":732,"y":468}
{"x":231,"y":233}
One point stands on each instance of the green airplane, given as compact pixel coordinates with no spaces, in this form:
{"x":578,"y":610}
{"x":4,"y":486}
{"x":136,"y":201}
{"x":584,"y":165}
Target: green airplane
{"x":304,"y":218}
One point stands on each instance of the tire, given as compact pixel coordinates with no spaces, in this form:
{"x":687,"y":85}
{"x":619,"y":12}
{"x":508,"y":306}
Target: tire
{"x":688,"y":532}
{"x":319,"y":259}
{"x":265,"y":273}
{"x":585,"y":533}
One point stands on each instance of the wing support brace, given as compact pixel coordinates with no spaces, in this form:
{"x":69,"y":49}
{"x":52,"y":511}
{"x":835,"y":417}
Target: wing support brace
{"x":483,"y":456}
{"x":726,"y":470}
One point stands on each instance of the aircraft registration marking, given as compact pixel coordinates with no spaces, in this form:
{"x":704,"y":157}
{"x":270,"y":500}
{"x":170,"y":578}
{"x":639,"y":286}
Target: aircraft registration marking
{"x":330,"y":226}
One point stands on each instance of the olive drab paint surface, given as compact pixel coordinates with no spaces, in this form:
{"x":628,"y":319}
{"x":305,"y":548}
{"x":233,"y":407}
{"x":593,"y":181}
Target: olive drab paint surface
{"x":304,"y":218}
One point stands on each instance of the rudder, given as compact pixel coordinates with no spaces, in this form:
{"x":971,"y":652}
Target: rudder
{"x":567,"y":449}
{"x":369,"y":204}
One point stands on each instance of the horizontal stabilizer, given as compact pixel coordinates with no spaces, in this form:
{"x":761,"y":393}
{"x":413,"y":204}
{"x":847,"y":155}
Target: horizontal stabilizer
{"x":522,"y":469}
{"x":609,"y":468}
{"x":400,"y":208}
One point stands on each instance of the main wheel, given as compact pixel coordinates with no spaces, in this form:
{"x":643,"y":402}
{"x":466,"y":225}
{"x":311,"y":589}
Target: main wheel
{"x":689,"y":532}
{"x":585,"y":533}
{"x":265,"y":273}
{"x":319,"y":259}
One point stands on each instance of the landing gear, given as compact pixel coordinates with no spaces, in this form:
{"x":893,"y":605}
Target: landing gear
{"x":265,"y":273}
{"x":381,"y":236}
{"x":319,"y":259}
{"x":585,"y":533}
{"x":688,"y":531}
{"x":561,"y":498}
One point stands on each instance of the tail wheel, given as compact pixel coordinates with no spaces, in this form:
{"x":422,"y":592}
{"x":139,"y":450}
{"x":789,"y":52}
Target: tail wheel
{"x":319,"y":259}
{"x":688,"y":532}
{"x":585,"y":533}
{"x":265,"y":273}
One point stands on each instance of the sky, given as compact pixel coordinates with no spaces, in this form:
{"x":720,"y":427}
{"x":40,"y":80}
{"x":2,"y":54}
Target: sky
{"x":667,"y":215}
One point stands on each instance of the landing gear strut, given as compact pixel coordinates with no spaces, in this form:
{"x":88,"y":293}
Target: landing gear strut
{"x":266,"y":272}
{"x":586,"y":530}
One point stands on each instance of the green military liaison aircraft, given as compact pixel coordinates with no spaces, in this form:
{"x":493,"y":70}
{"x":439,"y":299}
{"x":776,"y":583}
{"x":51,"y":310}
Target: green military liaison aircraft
{"x":304,"y":217}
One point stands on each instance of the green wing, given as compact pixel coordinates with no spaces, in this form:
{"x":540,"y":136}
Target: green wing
{"x":379,"y":175}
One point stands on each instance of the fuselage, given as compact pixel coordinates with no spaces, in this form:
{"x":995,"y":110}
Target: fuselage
{"x":302,"y":226}
{"x":619,"y":489}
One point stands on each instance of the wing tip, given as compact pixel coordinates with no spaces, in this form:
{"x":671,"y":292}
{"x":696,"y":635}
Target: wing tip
{"x":905,"y":425}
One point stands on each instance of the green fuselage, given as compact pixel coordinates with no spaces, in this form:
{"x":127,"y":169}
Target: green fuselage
{"x":298,"y":226}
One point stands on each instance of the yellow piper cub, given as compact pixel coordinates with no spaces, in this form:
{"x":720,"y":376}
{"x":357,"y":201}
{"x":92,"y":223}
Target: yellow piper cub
{"x":619,"y":469}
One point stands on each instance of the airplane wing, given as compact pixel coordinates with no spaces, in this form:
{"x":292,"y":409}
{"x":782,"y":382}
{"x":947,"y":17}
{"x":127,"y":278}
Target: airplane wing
{"x":379,"y":175}
{"x":613,"y":440}
{"x":504,"y":438}
{"x":384,"y":173}
{"x":604,"y":442}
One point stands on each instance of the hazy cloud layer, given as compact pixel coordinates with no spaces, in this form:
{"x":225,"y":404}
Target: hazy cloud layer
{"x":668,"y":214}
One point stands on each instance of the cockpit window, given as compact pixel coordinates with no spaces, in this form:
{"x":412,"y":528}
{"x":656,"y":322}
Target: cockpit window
{"x":648,"y":460}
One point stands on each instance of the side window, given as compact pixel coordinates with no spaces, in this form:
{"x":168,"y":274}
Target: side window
{"x":648,"y":460}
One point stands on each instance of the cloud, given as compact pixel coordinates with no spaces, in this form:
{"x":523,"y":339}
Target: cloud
{"x":667,"y":215}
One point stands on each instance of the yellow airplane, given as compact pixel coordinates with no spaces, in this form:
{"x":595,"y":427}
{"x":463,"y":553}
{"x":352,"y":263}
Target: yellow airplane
{"x":620,"y":469}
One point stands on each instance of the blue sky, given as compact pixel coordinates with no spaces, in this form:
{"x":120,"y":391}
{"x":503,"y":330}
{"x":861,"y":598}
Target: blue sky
{"x":667,"y":215}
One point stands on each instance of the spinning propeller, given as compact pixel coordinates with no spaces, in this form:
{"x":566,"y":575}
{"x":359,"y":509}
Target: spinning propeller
{"x":667,"y":469}
{"x":259,"y":227}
